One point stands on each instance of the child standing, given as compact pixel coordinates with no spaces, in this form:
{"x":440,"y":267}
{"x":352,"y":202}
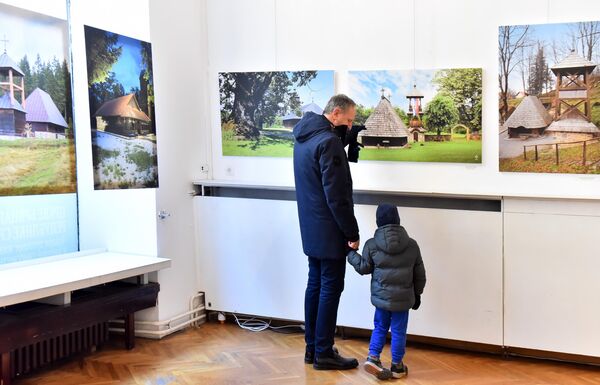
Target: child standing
{"x":397,"y":282}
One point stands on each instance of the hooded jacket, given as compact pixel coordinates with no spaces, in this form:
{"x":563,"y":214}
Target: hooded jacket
{"x":323,"y":189}
{"x":394,"y":260}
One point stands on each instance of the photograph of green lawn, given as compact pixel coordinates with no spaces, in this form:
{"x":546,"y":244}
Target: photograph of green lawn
{"x":37,"y":148}
{"x":419,"y":116}
{"x":259,"y":109}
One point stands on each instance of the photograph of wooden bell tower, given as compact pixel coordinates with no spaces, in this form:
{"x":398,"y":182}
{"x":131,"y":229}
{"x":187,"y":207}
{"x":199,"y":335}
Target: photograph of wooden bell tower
{"x":549,"y":100}
{"x":573,"y":112}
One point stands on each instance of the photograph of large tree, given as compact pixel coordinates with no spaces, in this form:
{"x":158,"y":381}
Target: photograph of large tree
{"x":121,"y":95}
{"x":419,"y":116}
{"x":37,"y":149}
{"x":549,"y":101}
{"x":259,"y":109}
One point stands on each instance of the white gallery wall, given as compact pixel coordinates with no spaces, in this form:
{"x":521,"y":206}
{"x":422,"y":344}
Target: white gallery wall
{"x":504,"y":279}
{"x":256,"y":266}
{"x":384,"y":34}
{"x":513,"y":277}
{"x":116,"y":220}
{"x":127,"y":220}
{"x":179,"y":54}
{"x":120,"y":220}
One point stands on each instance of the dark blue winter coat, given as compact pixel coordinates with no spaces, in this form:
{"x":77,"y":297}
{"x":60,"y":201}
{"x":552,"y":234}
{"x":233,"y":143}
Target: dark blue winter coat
{"x":323,"y":189}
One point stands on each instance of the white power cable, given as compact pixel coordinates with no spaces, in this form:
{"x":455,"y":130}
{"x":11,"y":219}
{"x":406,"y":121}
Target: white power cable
{"x":258,"y":325}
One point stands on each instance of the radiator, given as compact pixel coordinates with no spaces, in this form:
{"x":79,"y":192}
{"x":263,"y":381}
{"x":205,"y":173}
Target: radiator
{"x":32,"y":357}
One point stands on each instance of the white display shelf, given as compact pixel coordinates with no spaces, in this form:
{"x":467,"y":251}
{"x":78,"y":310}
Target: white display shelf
{"x":45,"y":277}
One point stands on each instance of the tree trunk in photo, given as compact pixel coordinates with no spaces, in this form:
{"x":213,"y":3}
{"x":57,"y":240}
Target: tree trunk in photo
{"x":511,"y":39}
{"x":249,"y":92}
{"x":244,"y":119}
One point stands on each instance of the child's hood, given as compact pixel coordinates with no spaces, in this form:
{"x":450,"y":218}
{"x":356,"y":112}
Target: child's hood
{"x":392,"y":239}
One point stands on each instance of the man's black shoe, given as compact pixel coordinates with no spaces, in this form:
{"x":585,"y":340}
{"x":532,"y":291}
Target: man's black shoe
{"x":309,"y":356}
{"x":335,"y":362}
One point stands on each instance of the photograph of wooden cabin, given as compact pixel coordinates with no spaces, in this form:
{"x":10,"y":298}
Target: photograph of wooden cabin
{"x":121,"y":94}
{"x":549,"y":101}
{"x":419,"y":116}
{"x":37,"y":148}
{"x":259,"y":109}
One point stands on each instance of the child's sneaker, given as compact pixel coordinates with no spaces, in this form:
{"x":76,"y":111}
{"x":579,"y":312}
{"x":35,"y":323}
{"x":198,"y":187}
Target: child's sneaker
{"x":399,"y":370}
{"x":373,"y":366}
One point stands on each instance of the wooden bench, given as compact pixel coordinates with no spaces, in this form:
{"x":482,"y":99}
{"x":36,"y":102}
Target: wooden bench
{"x":56,"y":307}
{"x":35,"y":334}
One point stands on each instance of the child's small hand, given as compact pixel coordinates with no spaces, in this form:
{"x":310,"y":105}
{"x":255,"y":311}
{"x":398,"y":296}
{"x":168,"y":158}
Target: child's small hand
{"x":354,"y":245}
{"x":417,"y":302}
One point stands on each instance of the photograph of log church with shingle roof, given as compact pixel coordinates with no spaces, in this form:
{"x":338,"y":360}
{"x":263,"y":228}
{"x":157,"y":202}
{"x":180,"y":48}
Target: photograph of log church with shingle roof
{"x":37,"y":147}
{"x":549,"y":100}
{"x":420,"y":115}
{"x":121,"y":94}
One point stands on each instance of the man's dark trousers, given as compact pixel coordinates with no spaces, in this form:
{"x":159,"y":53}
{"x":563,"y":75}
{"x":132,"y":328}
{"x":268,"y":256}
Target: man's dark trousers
{"x":322,"y":297}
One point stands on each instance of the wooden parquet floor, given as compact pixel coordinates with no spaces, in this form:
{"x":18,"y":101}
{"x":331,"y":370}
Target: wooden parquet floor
{"x":216,"y":354}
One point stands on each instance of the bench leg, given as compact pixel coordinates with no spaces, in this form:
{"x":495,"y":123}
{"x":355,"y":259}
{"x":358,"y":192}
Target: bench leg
{"x":129,"y":331}
{"x":5,"y":368}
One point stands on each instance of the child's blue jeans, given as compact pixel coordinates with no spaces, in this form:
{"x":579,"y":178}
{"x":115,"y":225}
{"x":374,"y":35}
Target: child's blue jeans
{"x":398,"y":321}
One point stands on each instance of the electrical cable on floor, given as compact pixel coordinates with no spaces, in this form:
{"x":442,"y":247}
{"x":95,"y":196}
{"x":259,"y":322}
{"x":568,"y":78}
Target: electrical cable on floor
{"x":258,"y":325}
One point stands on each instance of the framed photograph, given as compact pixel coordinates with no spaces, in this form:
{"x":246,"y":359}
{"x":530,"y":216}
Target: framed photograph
{"x":259,"y":109}
{"x":549,"y":100}
{"x":37,"y":149}
{"x":420,"y":115}
{"x":121,"y":95}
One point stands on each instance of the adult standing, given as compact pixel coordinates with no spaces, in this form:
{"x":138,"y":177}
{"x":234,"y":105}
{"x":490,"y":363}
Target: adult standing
{"x":327,"y":224}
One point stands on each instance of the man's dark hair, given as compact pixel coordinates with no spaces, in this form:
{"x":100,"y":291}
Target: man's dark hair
{"x":339,"y":100}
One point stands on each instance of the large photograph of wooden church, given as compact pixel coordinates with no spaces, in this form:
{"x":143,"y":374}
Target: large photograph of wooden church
{"x":37,"y":151}
{"x":259,"y":109}
{"x":419,"y":116}
{"x":121,"y":100}
{"x":549,"y":100}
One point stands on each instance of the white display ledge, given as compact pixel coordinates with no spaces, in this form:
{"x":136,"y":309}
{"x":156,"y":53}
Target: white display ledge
{"x":248,"y":185}
{"x":483,"y":195}
{"x":61,"y":274}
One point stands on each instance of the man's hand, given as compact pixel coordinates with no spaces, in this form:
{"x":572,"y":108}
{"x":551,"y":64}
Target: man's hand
{"x":354,"y":245}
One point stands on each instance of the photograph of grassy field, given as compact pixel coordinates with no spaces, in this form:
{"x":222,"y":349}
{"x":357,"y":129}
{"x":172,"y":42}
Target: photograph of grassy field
{"x":419,"y":116}
{"x":37,"y":166}
{"x":259,"y":109}
{"x":37,"y":149}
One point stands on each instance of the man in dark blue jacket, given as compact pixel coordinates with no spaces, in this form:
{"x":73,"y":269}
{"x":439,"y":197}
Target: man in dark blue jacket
{"x":327,"y":224}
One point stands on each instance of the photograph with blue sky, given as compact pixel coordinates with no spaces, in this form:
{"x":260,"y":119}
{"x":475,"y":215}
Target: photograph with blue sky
{"x":423,"y":115}
{"x":37,"y":154}
{"x":121,"y":96}
{"x":38,"y":184}
{"x":549,"y":99}
{"x":366,"y":87}
{"x":20,"y":32}
{"x":260,"y":109}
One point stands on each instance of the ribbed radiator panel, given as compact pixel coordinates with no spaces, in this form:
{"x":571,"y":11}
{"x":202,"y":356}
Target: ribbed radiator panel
{"x":32,"y":357}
